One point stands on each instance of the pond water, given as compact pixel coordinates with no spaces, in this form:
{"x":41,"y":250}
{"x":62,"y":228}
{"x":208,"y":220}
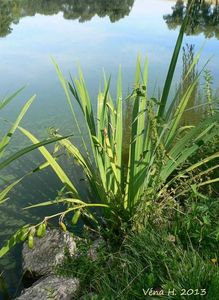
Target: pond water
{"x":94,"y":34}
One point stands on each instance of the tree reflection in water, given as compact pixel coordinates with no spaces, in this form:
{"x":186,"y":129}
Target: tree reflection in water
{"x":83,"y":10}
{"x":204,"y":18}
{"x":192,"y":115}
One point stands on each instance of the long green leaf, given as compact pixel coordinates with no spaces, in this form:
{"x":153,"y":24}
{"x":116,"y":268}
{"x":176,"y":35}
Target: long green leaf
{"x":65,"y":86}
{"x":172,"y":67}
{"x":4,"y":142}
{"x":7,"y":189}
{"x":29,"y":149}
{"x":53,"y":163}
{"x":7,"y":100}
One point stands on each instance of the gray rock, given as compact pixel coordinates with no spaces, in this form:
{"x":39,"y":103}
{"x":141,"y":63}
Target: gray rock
{"x":49,"y":251}
{"x":52,"y":288}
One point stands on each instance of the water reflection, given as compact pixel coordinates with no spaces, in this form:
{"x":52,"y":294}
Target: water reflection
{"x":192,"y":115}
{"x":205,"y":17}
{"x":84,"y":10}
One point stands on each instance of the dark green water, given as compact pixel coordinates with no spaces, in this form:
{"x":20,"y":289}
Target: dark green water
{"x":96,"y":34}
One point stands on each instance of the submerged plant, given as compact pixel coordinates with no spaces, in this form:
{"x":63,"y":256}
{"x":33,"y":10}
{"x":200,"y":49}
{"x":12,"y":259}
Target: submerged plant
{"x":5,"y":140}
{"x":6,"y":159}
{"x":159,"y":148}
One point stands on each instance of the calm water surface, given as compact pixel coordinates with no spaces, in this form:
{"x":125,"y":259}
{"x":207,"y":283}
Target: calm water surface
{"x":42,"y":31}
{"x":94,"y":34}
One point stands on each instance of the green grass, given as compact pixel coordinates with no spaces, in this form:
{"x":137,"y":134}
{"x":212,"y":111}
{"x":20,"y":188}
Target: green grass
{"x":154,"y":259}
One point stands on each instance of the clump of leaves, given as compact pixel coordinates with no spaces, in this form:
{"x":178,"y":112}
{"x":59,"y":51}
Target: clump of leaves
{"x":124,"y":191}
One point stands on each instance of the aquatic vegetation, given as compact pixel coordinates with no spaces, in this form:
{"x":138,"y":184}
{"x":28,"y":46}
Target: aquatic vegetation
{"x":7,"y":137}
{"x":5,"y":160}
{"x":126,"y":190}
{"x":3,"y":288}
